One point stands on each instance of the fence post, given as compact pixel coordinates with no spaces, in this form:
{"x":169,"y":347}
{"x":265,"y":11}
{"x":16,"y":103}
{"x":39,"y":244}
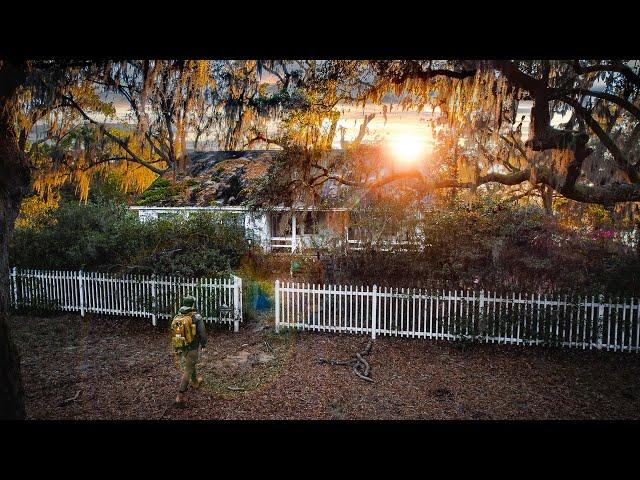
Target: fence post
{"x":237,"y":294}
{"x":374,"y":312}
{"x":277,"y":306}
{"x":600,"y":319}
{"x":153,"y":300}
{"x":81,"y":286}
{"x":14,"y":274}
{"x":481,"y":316}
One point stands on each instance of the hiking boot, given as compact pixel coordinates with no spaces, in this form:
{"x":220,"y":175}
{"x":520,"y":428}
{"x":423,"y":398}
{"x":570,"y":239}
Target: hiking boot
{"x":197,"y":383}
{"x":179,"y":399}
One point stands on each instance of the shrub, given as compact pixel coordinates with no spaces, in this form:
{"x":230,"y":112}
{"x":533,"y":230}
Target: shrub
{"x":104,"y":236}
{"x":493,"y":246}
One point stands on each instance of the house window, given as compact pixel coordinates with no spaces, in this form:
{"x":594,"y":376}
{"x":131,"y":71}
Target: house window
{"x":313,"y":221}
{"x":281,"y":223}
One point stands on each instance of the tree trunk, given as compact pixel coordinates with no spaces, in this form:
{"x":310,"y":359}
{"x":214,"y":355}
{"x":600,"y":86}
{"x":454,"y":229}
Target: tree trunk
{"x":11,"y":395}
{"x":14,"y":180}
{"x":547,"y":199}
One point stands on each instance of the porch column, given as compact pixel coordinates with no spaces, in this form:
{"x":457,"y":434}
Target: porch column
{"x":266,"y":231}
{"x":293,"y":233}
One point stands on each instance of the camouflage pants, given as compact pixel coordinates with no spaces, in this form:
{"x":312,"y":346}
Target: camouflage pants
{"x":188,"y":360}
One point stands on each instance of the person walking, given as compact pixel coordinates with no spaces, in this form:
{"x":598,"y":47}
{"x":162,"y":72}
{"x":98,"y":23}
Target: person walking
{"x":189,"y":335}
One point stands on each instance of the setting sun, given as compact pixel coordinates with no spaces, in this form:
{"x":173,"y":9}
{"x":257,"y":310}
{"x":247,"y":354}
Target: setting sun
{"x":408,"y":148}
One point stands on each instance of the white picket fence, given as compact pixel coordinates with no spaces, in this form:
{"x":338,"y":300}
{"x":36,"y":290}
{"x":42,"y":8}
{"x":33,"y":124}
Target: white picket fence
{"x":518,"y":319}
{"x":218,"y":300}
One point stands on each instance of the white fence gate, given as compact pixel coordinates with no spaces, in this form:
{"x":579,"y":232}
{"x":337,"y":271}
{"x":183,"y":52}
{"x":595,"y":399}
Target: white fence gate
{"x":218,"y":300}
{"x":575,"y":322}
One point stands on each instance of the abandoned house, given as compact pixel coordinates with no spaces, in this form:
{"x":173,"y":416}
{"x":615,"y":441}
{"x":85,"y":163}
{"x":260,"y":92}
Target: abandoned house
{"x":217,"y":181}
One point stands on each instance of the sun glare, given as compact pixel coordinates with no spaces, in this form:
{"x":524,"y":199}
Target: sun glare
{"x":408,"y":148}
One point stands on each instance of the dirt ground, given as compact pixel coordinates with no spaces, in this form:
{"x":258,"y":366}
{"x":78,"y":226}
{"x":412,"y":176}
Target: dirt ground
{"x":115,"y":368}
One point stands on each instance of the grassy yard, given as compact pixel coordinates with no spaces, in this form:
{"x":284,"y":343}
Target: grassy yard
{"x":115,"y":368}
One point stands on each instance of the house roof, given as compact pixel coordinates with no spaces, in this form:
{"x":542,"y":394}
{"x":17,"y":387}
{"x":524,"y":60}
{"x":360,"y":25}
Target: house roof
{"x":217,"y":178}
{"x":224,"y":178}
{"x":211,"y":178}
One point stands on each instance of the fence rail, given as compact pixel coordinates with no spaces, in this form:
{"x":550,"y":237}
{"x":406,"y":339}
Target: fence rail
{"x":129,"y":295}
{"x":553,"y":320}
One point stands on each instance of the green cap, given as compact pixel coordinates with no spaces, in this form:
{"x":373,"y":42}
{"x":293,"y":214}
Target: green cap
{"x":188,"y":301}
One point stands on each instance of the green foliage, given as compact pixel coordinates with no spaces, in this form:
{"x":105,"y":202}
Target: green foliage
{"x":203,"y":244}
{"x":77,"y":236}
{"x":107,"y":187}
{"x":104,"y":236}
{"x":494,"y":246}
{"x":160,"y":189}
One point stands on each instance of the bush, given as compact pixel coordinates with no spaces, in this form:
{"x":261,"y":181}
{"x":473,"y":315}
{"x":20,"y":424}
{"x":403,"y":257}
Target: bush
{"x":104,"y":236}
{"x":204,"y":244}
{"x":493,"y":246}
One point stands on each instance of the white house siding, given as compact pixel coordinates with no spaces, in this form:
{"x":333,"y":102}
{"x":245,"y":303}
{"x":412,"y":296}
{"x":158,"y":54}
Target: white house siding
{"x":256,"y":224}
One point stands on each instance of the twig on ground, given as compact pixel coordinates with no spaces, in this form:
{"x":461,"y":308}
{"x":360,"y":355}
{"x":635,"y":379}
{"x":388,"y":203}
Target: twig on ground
{"x":367,"y":367}
{"x":355,"y":370}
{"x":70,"y":399}
{"x":269,"y":347}
{"x":236,"y":389}
{"x":165,"y":410}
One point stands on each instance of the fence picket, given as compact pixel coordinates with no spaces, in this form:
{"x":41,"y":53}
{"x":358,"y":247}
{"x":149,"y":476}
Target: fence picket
{"x":615,"y":331}
{"x":637,"y":325}
{"x":502,"y":318}
{"x":624,"y":323}
{"x":130,"y":295}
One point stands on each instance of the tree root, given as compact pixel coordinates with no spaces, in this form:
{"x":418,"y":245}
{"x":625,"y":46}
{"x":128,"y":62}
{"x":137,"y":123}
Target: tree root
{"x":360,"y":366}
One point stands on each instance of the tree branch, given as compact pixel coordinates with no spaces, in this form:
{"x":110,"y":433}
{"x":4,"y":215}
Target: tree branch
{"x":620,"y":68}
{"x":516,"y":76}
{"x":122,"y":144}
{"x":624,"y":103}
{"x":619,"y":157}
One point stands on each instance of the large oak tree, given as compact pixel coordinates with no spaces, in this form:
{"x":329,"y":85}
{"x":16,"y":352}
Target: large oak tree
{"x":81,"y":134}
{"x":582,"y":142}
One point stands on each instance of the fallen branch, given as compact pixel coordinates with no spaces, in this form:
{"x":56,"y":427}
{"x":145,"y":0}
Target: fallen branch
{"x":165,"y":410}
{"x":269,"y":347}
{"x":357,"y":364}
{"x":367,"y":367}
{"x":70,"y":399}
{"x":236,"y":389}
{"x":360,"y":375}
